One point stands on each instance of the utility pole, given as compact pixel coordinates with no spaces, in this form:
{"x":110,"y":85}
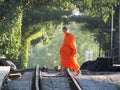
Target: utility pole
{"x":111,"y":30}
{"x":119,"y":35}
{"x":112,"y":35}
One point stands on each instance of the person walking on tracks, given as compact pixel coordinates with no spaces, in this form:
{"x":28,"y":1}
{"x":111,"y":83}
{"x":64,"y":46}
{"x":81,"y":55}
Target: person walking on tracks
{"x":68,"y":52}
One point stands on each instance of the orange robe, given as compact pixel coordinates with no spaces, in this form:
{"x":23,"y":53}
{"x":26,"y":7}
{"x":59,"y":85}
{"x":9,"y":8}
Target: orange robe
{"x":67,"y":50}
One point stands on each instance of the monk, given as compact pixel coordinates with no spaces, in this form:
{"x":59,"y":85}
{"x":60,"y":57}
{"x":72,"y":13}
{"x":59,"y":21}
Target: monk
{"x":68,"y":52}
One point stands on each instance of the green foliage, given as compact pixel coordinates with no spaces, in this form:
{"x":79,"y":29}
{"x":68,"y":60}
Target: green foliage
{"x":97,"y":27}
{"x":1,"y":1}
{"x":10,"y":35}
{"x":98,"y":8}
{"x":45,"y":36}
{"x":37,"y":33}
{"x":25,"y":22}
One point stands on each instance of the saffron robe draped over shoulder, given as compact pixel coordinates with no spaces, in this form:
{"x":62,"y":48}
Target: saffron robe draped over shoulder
{"x":68,"y":53}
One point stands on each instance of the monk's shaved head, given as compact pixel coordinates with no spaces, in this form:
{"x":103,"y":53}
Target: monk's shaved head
{"x":65,"y":29}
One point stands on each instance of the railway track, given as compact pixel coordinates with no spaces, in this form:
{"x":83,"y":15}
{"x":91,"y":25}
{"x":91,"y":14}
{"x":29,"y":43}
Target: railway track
{"x":51,"y":79}
{"x":40,"y":79}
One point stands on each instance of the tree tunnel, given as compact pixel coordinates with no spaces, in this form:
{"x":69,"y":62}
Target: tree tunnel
{"x":25,"y":22}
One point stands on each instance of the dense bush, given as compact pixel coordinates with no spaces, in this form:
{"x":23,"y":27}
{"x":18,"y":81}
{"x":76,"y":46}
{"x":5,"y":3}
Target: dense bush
{"x":10,"y":35}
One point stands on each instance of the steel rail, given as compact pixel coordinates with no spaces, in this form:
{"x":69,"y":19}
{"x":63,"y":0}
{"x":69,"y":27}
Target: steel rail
{"x":76,"y":85}
{"x":37,"y":78}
